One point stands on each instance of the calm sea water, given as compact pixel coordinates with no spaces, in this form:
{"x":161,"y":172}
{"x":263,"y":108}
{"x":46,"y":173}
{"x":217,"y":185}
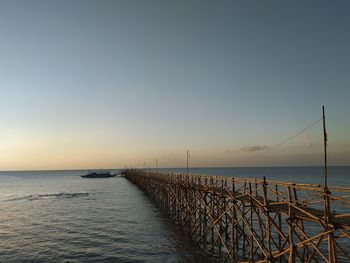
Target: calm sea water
{"x":57,"y":216}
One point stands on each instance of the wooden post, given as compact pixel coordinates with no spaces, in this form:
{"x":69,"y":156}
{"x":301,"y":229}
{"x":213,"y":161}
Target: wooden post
{"x":251,"y":241}
{"x":239,"y":211}
{"x":188,"y":155}
{"x":327,"y":209}
{"x":291,"y":258}
{"x":268,"y":226}
{"x":325,"y":148}
{"x":279,"y":222}
{"x":234,"y":222}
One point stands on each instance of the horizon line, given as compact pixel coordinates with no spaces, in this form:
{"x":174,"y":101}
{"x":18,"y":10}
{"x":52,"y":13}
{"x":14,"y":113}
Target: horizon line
{"x":159,"y":168}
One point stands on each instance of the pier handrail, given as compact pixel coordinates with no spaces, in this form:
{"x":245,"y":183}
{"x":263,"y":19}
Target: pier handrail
{"x":238,"y":179}
{"x":250,"y":219}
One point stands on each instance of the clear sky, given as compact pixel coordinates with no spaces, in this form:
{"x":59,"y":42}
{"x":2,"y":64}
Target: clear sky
{"x":98,"y":84}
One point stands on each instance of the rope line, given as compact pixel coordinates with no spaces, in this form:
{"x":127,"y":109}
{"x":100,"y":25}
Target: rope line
{"x":279,"y":144}
{"x":265,"y":151}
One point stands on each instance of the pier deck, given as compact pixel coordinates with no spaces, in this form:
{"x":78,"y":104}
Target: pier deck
{"x":253,"y":220}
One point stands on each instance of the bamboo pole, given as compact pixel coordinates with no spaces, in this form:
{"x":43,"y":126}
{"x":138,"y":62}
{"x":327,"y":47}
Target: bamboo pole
{"x":263,"y":224}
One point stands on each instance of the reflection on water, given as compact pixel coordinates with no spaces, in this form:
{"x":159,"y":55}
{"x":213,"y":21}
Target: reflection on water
{"x":58,"y":216}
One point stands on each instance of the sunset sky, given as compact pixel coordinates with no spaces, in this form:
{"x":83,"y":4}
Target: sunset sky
{"x":109,"y":84}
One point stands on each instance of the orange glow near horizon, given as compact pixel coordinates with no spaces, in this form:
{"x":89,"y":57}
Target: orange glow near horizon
{"x":40,"y":153}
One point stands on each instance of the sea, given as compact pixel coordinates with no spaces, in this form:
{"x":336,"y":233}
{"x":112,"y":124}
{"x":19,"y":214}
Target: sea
{"x":57,"y":216}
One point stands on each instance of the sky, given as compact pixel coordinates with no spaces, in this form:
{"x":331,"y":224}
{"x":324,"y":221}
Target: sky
{"x":112,"y":84}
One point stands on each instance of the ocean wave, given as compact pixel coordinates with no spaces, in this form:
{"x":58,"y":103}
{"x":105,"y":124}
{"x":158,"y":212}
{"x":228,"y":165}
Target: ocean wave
{"x":44,"y":196}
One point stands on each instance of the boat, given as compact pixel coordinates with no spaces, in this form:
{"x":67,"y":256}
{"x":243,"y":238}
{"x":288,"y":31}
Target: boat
{"x":99,"y":175}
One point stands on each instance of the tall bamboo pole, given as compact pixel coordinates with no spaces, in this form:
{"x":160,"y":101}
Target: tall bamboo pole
{"x":327,"y":210}
{"x":187,"y":161}
{"x":325,"y":172}
{"x":252,"y":237}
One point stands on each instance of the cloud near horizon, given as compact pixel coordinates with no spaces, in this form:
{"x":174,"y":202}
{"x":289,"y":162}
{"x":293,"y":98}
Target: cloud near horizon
{"x":254,"y":148}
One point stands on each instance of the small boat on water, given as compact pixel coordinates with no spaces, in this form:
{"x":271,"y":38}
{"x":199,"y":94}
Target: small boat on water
{"x":99,"y":175}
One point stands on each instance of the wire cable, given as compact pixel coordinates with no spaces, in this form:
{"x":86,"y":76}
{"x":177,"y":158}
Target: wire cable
{"x":198,"y":160}
{"x":279,"y":144}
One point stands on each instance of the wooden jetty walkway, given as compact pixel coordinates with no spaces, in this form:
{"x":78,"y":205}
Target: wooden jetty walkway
{"x":251,"y":220}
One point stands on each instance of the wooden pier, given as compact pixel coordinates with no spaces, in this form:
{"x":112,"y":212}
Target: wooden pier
{"x":252,"y":220}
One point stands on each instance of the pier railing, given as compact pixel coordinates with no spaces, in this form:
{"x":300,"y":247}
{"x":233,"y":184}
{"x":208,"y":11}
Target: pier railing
{"x":255,"y":220}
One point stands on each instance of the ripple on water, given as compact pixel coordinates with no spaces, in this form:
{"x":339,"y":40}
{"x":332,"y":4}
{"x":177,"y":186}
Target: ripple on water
{"x":57,"y":218}
{"x":45,"y":196}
